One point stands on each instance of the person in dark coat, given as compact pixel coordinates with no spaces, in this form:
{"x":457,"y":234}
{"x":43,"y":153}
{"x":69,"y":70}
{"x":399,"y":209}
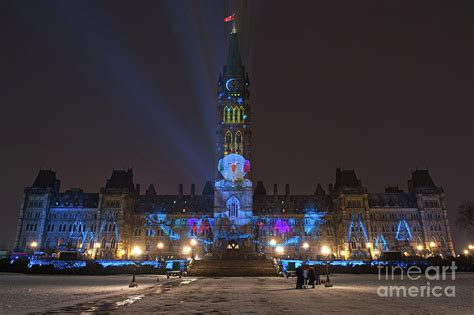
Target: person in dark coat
{"x":299,"y":277}
{"x":311,"y":277}
{"x":317,"y":275}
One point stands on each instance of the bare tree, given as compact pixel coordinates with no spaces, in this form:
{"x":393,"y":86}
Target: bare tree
{"x":465,"y":216}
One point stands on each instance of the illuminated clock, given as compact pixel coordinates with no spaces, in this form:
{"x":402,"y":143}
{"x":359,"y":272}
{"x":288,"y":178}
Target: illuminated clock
{"x":232,"y":85}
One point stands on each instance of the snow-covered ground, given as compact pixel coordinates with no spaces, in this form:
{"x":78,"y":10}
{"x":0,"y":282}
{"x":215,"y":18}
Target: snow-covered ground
{"x":351,"y":293}
{"x":20,"y":293}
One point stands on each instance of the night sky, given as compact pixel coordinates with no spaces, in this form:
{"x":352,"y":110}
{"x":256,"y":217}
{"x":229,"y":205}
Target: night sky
{"x":384,"y":87}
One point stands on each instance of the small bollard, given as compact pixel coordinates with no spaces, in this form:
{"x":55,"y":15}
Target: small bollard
{"x":134,"y":283}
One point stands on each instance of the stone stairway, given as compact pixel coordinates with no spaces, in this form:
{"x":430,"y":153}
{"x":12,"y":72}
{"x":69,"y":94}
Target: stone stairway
{"x":233,"y":268}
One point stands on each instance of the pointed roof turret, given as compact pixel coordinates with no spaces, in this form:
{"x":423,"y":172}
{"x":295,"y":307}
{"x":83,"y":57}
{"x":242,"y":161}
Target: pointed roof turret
{"x":234,"y":61}
{"x":151,"y":191}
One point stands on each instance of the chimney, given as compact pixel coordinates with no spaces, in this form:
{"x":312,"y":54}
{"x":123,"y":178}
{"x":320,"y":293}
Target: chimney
{"x":287,"y":190}
{"x":192,"y":190}
{"x":180,"y":190}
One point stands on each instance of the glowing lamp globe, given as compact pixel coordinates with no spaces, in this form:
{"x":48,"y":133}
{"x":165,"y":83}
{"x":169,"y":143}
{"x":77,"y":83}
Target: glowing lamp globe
{"x":466,"y":252}
{"x":419,"y":247}
{"x":34,"y":244}
{"x":160,"y":245}
{"x":432,"y":244}
{"x":305,"y":245}
{"x":325,"y":250}
{"x":279,"y":249}
{"x":136,"y":251}
{"x":471,"y":247}
{"x":186,"y":250}
{"x":273,"y":242}
{"x":193,"y":242}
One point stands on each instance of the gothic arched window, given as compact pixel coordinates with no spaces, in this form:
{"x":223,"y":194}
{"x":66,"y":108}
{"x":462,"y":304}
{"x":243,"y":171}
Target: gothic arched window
{"x":233,"y":206}
{"x":353,"y":243}
{"x":228,"y":142}
{"x":112,"y":243}
{"x":238,"y":142}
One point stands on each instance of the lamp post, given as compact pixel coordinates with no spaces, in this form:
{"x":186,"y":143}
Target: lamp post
{"x":280,"y":250}
{"x":136,"y":252}
{"x":305,"y":247}
{"x":432,"y":247}
{"x":186,"y":250}
{"x":326,"y":251}
{"x":96,"y":249}
{"x":369,"y":246}
{"x":419,"y":249}
{"x":273,"y":243}
{"x":33,"y":245}
{"x":160,"y":249}
{"x":193,"y":243}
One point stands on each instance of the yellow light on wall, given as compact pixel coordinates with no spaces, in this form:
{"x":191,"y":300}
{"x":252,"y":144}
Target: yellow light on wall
{"x":305,"y":245}
{"x":97,"y":245}
{"x":419,"y":247}
{"x":432,"y":244}
{"x":376,"y":251}
{"x":160,"y":245}
{"x":279,"y":249}
{"x":193,"y":242}
{"x":369,"y":245}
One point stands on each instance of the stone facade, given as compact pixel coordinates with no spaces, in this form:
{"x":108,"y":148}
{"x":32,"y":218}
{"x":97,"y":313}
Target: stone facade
{"x":232,"y":216}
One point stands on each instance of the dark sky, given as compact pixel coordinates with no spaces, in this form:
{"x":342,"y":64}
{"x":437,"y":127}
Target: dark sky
{"x":383,"y":87}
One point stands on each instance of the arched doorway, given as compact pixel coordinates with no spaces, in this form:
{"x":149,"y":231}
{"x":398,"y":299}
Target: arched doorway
{"x":233,"y":248}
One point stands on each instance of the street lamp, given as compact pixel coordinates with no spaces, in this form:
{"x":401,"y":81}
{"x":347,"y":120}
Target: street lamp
{"x":186,"y":250}
{"x":136,"y":251}
{"x":280,"y":250}
{"x":471,"y":247}
{"x":273,"y":243}
{"x":305,"y":247}
{"x":160,"y":248}
{"x":326,"y":251}
{"x":33,"y":245}
{"x":432,"y":244}
{"x":466,"y":252}
{"x":193,"y":243}
{"x":96,"y":247}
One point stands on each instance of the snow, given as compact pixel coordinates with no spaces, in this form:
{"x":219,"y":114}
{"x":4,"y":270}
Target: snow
{"x":351,"y":293}
{"x":22,"y":293}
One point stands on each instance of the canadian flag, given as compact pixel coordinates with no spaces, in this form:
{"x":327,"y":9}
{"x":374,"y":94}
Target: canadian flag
{"x":229,"y":18}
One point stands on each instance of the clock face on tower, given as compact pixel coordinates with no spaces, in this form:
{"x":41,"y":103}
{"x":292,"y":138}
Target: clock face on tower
{"x":232,"y":85}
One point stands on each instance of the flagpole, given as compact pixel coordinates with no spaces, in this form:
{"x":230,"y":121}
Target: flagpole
{"x":234,"y":29}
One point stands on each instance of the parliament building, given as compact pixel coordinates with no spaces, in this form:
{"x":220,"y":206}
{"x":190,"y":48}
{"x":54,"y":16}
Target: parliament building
{"x":235,"y":215}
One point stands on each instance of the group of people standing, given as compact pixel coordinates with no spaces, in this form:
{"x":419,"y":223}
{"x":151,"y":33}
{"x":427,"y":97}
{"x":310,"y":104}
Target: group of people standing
{"x":307,"y":276}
